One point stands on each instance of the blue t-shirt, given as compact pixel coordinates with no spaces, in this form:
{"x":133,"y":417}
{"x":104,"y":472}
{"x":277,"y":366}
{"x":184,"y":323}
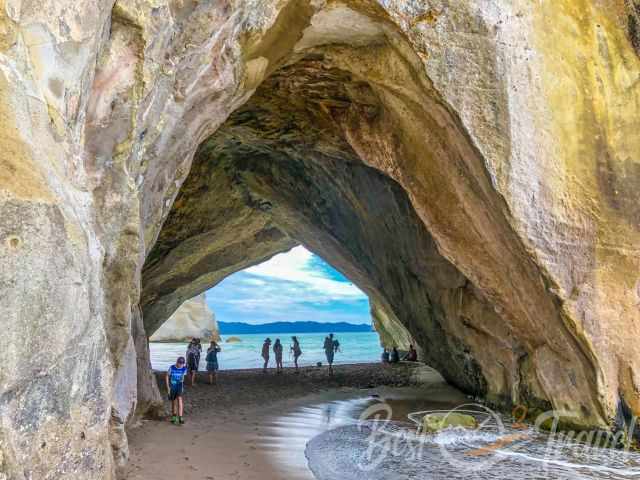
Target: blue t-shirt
{"x":176,"y":375}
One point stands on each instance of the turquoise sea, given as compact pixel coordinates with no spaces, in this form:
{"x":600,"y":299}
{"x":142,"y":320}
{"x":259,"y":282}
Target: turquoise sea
{"x":355,"y":347}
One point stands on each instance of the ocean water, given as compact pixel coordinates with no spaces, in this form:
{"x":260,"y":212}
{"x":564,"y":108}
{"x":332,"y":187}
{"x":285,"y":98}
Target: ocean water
{"x":355,"y":347}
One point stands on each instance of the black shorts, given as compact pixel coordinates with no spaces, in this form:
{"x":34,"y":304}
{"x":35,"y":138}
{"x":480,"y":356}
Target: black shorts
{"x":192,"y":364}
{"x":175,"y":392}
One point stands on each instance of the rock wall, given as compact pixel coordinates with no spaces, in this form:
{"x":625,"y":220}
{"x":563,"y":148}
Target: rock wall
{"x":192,"y":319}
{"x":474,"y":166}
{"x":391,"y":331}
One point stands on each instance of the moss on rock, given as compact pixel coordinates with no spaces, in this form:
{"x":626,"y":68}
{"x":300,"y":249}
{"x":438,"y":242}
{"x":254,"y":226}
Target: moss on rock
{"x":434,"y":422}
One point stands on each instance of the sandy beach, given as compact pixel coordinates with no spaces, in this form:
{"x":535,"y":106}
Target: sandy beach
{"x":255,"y":426}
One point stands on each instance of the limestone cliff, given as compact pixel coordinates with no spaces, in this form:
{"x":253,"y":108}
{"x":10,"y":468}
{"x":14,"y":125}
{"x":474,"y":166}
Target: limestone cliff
{"x":473,"y":166}
{"x":192,"y":319}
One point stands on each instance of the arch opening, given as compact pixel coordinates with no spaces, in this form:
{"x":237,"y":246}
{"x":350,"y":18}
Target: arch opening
{"x":292,"y":293}
{"x":352,"y":215}
{"x":346,"y":148}
{"x":513,"y":229}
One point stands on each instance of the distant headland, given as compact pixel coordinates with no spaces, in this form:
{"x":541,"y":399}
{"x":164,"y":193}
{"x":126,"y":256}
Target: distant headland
{"x":229,"y":328}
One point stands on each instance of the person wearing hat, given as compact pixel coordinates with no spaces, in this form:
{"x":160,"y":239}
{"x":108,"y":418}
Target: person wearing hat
{"x":265,"y":353}
{"x":175,"y":388}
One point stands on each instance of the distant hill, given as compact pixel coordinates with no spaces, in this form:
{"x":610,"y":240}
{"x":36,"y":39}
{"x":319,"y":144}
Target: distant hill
{"x":231,"y":328}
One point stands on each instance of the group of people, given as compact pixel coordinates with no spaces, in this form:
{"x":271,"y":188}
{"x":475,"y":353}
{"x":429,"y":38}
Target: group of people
{"x":187,"y":366}
{"x":194,"y":351}
{"x":278,"y":351}
{"x":393,"y":356}
{"x":330,"y":346}
{"x":176,"y":374}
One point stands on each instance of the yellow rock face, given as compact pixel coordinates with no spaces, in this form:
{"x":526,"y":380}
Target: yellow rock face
{"x":20,"y":176}
{"x":473,"y":166}
{"x":590,"y":79}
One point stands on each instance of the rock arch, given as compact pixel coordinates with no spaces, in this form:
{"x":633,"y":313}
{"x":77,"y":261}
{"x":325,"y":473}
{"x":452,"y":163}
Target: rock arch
{"x":512,"y":243}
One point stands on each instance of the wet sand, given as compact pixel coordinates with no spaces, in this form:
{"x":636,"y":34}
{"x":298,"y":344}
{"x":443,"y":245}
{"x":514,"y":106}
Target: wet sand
{"x":255,"y":426}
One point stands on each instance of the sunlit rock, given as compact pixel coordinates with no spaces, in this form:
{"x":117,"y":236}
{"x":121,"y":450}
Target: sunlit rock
{"x":193,"y":319}
{"x":472,"y":166}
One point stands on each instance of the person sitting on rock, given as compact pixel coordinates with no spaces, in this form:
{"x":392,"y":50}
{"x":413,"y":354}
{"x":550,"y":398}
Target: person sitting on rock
{"x":174,"y":380}
{"x":395,"y":356}
{"x":385,"y":355}
{"x":212,"y":361}
{"x":412,"y":355}
{"x":265,"y":353}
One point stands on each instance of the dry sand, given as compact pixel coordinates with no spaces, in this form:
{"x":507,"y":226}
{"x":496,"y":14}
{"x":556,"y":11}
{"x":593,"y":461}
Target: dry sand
{"x":229,"y":430}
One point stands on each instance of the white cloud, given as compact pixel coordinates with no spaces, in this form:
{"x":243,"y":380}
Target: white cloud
{"x":289,"y":287}
{"x":255,"y":282}
{"x":294,"y":266}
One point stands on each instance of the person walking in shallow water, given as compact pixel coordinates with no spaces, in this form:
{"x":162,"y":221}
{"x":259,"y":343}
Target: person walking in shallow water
{"x":212,"y":361}
{"x":265,"y":353}
{"x":297,"y":351}
{"x":277,"y":350}
{"x":174,"y":380}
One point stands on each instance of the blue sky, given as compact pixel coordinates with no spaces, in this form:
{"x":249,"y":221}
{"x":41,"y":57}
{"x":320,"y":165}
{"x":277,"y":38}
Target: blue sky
{"x":293,"y":286}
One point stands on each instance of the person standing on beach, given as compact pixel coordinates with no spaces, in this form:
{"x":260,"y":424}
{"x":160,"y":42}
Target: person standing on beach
{"x":277,"y":350}
{"x":212,"y":361}
{"x":193,"y":358}
{"x":297,"y":351}
{"x":265,"y":353}
{"x":174,"y":380}
{"x":330,"y":348}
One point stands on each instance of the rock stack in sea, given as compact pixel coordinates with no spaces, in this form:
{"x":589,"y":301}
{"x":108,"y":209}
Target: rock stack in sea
{"x":194,"y":318}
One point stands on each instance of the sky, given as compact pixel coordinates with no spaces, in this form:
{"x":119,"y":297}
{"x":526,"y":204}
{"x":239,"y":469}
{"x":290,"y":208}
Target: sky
{"x":293,"y":286}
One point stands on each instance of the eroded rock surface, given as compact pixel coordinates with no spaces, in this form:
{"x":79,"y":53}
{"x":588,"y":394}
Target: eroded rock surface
{"x":472,"y":166}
